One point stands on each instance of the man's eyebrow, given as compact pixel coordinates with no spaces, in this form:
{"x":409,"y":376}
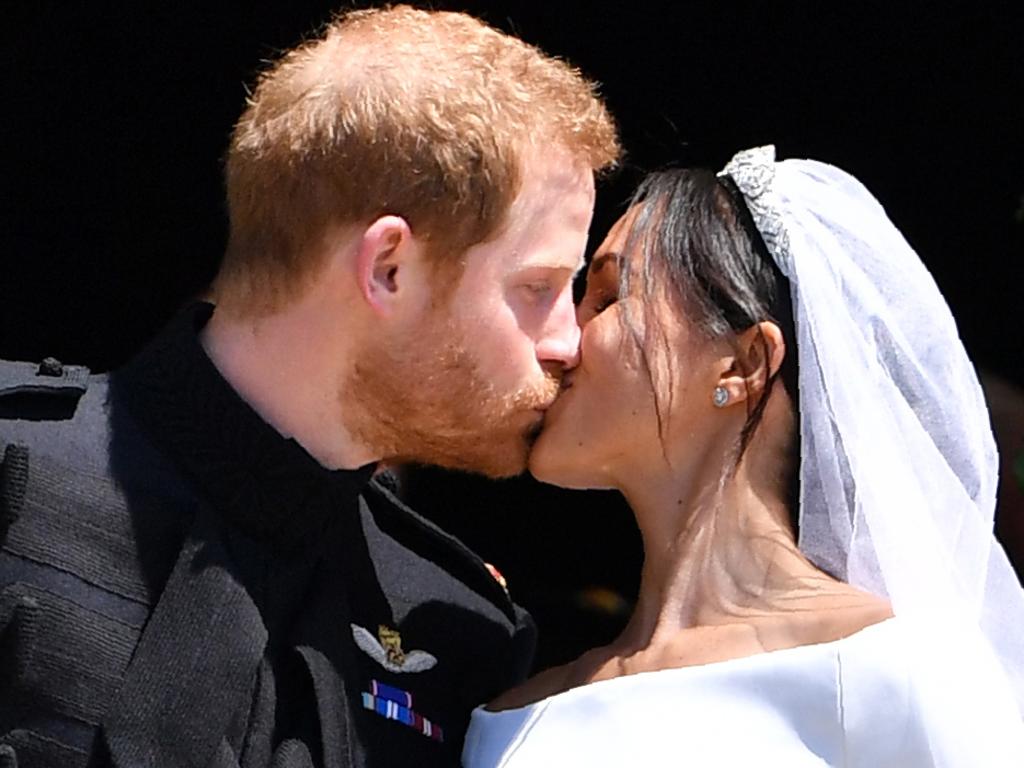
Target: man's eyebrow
{"x":553,"y":266}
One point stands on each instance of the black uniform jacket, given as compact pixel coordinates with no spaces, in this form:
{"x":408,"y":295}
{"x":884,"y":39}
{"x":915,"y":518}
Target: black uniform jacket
{"x":182,"y":586}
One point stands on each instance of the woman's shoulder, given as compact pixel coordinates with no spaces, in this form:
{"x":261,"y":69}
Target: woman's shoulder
{"x":836,"y":615}
{"x":536,"y":688}
{"x":540,"y":686}
{"x":813,"y":620}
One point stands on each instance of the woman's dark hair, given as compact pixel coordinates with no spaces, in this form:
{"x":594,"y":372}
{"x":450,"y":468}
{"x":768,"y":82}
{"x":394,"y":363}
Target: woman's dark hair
{"x":699,"y":243}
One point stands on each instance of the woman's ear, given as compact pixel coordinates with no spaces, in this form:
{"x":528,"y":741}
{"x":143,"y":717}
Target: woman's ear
{"x":758,"y":356}
{"x":383,"y":255}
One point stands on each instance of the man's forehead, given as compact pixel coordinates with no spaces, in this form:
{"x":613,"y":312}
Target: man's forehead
{"x":548,"y":222}
{"x":559,"y":190}
{"x":552,"y":170}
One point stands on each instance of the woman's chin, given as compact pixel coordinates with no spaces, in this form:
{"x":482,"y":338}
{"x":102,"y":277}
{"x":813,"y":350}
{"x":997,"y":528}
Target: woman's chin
{"x":559,"y":462}
{"x":547,"y":458}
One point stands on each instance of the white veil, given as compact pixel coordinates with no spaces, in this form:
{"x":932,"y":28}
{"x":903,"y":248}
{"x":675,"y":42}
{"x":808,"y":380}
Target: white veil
{"x":898,"y":464}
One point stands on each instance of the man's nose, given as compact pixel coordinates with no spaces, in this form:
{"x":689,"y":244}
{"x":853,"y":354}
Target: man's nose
{"x":560,"y":340}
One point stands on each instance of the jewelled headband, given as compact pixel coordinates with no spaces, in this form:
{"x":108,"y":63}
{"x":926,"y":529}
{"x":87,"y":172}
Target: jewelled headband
{"x":753,"y":173}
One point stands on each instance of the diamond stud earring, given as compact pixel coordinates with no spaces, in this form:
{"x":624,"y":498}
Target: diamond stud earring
{"x":720,"y":397}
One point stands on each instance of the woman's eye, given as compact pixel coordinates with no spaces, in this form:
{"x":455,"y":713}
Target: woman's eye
{"x":604,"y":302}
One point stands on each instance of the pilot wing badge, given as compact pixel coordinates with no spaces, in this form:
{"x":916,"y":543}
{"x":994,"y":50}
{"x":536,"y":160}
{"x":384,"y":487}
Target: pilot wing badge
{"x":386,"y":650}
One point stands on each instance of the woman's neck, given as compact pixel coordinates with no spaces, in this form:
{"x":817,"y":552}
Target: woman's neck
{"x":718,"y":549}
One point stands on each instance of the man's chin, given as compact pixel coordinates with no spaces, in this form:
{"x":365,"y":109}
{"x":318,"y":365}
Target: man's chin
{"x":497,"y":458}
{"x":533,"y":431}
{"x":491,"y":466}
{"x":498,"y":448}
{"x":506,"y":461}
{"x":506,"y":456}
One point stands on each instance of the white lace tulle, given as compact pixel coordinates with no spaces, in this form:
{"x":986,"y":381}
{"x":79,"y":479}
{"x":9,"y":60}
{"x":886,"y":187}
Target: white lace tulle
{"x":898,"y":463}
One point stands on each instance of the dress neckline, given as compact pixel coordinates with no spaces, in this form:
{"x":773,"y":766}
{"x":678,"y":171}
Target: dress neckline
{"x":693,"y":669}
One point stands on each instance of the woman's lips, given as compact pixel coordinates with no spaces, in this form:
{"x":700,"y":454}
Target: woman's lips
{"x":561,"y":394}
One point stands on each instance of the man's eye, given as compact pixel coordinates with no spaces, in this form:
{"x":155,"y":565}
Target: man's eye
{"x":537,"y":288}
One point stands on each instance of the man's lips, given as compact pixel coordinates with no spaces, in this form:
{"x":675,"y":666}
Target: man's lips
{"x":542,"y":410}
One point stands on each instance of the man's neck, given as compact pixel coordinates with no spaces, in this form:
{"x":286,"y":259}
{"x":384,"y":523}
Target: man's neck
{"x":290,"y":375}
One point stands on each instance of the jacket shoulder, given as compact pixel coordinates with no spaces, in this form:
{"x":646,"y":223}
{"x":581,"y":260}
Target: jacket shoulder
{"x":56,"y":410}
{"x":48,"y":389}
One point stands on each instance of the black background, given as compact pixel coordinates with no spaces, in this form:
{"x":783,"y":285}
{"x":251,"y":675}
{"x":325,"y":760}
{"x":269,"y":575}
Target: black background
{"x":116,"y":115}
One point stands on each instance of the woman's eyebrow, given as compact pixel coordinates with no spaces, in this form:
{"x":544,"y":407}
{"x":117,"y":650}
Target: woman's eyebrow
{"x":599,"y":261}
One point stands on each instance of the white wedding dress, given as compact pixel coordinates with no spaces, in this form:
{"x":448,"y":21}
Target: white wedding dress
{"x":891,"y":694}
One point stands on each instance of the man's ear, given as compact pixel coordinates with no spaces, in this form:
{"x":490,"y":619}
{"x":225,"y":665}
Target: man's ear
{"x":758,"y":356}
{"x":383,"y":255}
